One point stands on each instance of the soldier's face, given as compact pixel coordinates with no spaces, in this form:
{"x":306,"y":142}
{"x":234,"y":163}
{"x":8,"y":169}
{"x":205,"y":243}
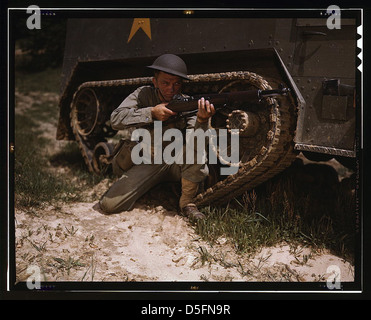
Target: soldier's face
{"x":168,"y":85}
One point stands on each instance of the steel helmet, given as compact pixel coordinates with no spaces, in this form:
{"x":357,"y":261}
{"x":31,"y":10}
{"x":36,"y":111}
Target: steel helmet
{"x":170,"y":63}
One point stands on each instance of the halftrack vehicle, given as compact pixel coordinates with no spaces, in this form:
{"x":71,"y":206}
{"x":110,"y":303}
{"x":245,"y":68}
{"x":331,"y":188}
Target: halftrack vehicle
{"x":105,"y":60}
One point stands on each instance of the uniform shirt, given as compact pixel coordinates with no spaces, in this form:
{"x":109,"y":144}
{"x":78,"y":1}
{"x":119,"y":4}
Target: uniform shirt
{"x":136,"y":109}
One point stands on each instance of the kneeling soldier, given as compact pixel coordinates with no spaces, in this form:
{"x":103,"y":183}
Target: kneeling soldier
{"x":145,"y":105}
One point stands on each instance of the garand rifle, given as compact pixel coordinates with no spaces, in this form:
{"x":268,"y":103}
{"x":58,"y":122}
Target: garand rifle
{"x":187,"y":104}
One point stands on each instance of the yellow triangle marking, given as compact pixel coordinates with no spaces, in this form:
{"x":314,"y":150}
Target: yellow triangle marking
{"x":140,"y":23}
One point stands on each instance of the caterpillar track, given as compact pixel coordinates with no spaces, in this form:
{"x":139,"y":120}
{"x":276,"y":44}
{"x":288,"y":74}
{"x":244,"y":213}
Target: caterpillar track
{"x":263,"y":154}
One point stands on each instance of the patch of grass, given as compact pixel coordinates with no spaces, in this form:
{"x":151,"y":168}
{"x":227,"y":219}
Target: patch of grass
{"x":245,"y":229}
{"x":36,"y":181}
{"x":44,"y":112}
{"x":34,"y":184}
{"x":283,"y":210}
{"x":70,"y":156}
{"x":47,"y":80}
{"x":67,"y":264}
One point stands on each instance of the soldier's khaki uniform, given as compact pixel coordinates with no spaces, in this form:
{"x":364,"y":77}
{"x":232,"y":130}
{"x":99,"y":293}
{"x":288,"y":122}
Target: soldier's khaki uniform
{"x":136,"y":181}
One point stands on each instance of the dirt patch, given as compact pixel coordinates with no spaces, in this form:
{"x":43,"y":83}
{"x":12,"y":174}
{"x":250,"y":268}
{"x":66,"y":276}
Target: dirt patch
{"x":77,"y":242}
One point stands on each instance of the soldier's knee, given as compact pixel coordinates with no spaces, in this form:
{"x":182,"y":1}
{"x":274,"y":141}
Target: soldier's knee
{"x":112,"y":205}
{"x":108,"y":206}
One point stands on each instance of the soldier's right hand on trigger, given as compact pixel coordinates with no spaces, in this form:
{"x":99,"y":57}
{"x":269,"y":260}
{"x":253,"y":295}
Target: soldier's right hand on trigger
{"x":161,"y":112}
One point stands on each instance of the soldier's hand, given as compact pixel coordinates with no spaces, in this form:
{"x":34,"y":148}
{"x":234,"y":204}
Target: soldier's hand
{"x":205,"y":110}
{"x":161,"y":112}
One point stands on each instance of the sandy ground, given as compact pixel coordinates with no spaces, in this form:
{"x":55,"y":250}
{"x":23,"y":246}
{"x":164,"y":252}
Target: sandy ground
{"x":77,"y":242}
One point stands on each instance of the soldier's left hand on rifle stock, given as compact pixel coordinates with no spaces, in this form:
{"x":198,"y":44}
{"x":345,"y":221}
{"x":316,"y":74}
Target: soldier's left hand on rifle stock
{"x":205,"y":110}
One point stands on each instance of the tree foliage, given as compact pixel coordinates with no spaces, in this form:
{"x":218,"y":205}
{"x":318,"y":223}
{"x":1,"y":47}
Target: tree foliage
{"x":39,"y":49}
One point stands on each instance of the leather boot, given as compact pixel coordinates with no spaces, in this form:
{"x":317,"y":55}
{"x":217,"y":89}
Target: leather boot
{"x":187,"y":207}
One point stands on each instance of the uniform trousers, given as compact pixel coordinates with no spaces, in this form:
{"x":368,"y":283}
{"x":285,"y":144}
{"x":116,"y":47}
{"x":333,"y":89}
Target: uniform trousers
{"x":139,"y":179}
